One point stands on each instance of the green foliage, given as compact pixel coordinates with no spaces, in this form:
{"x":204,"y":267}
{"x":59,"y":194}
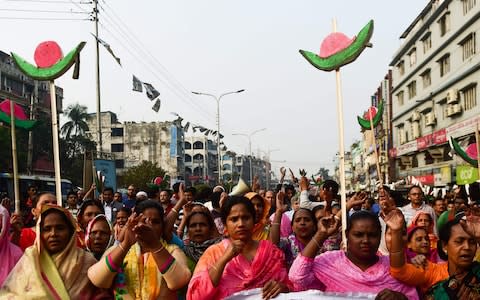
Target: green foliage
{"x":142,"y":174}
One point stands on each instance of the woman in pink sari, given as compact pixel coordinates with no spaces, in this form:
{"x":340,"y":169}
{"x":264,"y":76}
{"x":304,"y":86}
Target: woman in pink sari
{"x":9,"y":253}
{"x":359,"y":269}
{"x":239,"y":263}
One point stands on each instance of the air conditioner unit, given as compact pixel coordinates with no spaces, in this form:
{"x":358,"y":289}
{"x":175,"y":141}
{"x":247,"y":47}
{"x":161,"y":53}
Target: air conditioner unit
{"x":415,"y":130}
{"x":416,"y":116}
{"x":452,"y":96}
{"x":430,"y":119}
{"x":436,"y":153}
{"x":448,"y":110}
{"x":406,"y":160}
{"x":453,"y":109}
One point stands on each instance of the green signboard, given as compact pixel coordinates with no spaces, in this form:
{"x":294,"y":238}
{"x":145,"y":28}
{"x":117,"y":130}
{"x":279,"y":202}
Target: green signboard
{"x":466,"y":174}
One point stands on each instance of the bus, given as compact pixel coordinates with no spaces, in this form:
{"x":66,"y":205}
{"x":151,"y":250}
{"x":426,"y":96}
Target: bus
{"x":42,"y":182}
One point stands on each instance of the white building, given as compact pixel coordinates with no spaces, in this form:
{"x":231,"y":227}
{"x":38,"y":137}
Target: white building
{"x":434,"y":78}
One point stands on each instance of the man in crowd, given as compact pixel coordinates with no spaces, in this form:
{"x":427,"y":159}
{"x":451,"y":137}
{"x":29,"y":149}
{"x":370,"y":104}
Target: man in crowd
{"x":131,"y":197}
{"x":166,"y":202}
{"x":415,"y":195}
{"x":72,"y":203}
{"x":111,"y":207}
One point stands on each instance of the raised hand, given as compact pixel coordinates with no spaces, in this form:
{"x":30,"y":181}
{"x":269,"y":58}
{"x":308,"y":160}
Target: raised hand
{"x":471,"y":225}
{"x":146,"y":235}
{"x":385,"y":201}
{"x":283,"y":171}
{"x":419,"y":261}
{"x":280,"y":204}
{"x":394,"y":219}
{"x":328,"y":225}
{"x":304,"y":184}
{"x":223,"y":199}
{"x":255,"y":184}
{"x":234,"y":249}
{"x":294,"y":179}
{"x":126,"y":233}
{"x":16,"y":221}
{"x":356,"y":200}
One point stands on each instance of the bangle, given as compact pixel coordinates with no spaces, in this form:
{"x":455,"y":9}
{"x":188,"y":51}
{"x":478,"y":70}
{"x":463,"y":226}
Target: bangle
{"x":111,"y":265}
{"x":121,"y":247}
{"x":396,"y":252}
{"x":275,"y":224}
{"x":175,"y":211}
{"x":316,"y":243}
{"x":158,"y":250}
{"x":167,"y":264}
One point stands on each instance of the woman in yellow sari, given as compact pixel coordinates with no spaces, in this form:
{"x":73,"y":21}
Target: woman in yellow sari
{"x":54,"y":267}
{"x":261,"y":230}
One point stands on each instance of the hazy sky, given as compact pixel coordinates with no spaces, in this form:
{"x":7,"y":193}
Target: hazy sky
{"x":218,"y":46}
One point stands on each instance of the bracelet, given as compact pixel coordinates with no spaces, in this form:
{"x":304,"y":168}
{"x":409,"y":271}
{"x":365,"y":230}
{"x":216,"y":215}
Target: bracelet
{"x":275,"y":224}
{"x":158,"y":250}
{"x":396,"y":252}
{"x":167,"y":264}
{"x":121,"y":247}
{"x":175,"y":211}
{"x":316,"y":242}
{"x":111,"y":265}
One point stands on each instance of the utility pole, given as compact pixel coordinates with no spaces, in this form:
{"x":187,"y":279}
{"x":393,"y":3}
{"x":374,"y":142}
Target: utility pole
{"x":99,"y":116}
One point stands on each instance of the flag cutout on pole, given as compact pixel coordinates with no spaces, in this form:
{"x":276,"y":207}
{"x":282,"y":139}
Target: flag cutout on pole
{"x":152,"y":93}
{"x":185,"y":128}
{"x":156,"y":106}
{"x":137,"y":84}
{"x":109,"y":49}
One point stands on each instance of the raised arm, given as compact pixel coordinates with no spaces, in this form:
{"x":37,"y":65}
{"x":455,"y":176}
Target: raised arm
{"x":277,"y":219}
{"x":173,"y":214}
{"x":396,"y":222}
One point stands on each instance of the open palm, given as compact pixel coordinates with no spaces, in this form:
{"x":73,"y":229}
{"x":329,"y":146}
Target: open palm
{"x":394,"y":219}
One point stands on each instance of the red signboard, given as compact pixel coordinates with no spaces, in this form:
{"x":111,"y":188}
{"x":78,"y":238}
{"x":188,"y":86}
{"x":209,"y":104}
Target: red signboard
{"x":436,"y":138}
{"x":428,"y":179}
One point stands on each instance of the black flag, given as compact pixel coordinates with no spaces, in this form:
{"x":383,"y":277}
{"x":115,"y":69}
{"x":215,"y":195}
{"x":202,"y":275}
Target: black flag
{"x":156,"y":106}
{"x":152,"y":93}
{"x":137,"y":84}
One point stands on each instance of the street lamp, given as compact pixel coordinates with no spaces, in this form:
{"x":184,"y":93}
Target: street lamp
{"x":249,"y":136}
{"x":218,"y":126}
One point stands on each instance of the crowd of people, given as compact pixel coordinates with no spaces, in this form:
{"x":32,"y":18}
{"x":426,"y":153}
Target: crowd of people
{"x":181,"y":244}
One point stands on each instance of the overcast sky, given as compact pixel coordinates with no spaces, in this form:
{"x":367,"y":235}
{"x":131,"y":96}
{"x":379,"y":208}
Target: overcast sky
{"x":218,"y":46}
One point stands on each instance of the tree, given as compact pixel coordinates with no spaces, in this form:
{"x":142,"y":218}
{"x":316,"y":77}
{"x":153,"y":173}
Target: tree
{"x":140,"y":175}
{"x":323,"y":173}
{"x":77,"y":124}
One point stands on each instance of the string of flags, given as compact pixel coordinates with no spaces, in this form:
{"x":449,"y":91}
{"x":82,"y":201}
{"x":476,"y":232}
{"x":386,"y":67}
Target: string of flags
{"x":151,"y":92}
{"x":108,"y":48}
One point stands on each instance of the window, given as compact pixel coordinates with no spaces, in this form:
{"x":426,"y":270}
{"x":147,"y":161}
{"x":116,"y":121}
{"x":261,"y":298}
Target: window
{"x":468,"y":46}
{"x":198,"y":145}
{"x":426,"y":78}
{"x":444,"y":23}
{"x":444,"y":63}
{"x":401,"y":68}
{"x":188,"y":158}
{"x":188,"y":145}
{"x":412,"y":89}
{"x":119,"y":163}
{"x":117,"y":147}
{"x":400,"y":98}
{"x":117,"y":132}
{"x":413,"y":57}
{"x":427,"y":42}
{"x":468,"y":5}
{"x":401,"y":135}
{"x":470,"y":97}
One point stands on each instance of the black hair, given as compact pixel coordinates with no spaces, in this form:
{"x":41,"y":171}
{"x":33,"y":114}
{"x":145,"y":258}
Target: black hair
{"x":234,"y":200}
{"x":71,"y":229}
{"x":363,"y":215}
{"x":126,"y":210}
{"x":176,"y":187}
{"x":144,"y":205}
{"x":444,"y":234}
{"x":36,"y":197}
{"x":330,"y":184}
{"x":108,"y":189}
{"x":207,"y":215}
{"x":215,"y":198}
{"x":317,"y":208}
{"x":191,"y":190}
{"x":310,"y":214}
{"x":436,"y":200}
{"x":289,"y":187}
{"x":415,"y":187}
{"x":71,"y":193}
{"x":87,"y":203}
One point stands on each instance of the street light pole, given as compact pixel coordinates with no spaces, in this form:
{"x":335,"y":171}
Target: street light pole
{"x":249,"y":136}
{"x":217,"y":99}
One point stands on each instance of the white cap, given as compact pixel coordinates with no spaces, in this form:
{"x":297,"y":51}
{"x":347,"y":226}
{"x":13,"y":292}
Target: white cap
{"x":142,"y":194}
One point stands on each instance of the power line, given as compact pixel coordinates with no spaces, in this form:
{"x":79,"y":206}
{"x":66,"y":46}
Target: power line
{"x":43,"y":11}
{"x":41,"y":1}
{"x":43,"y":19}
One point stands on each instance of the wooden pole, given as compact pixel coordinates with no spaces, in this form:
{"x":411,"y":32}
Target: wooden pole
{"x":14,"y":158}
{"x":341,"y":155}
{"x":377,"y":163}
{"x":56,"y":152}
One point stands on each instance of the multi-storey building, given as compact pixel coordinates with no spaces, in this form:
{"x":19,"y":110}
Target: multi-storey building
{"x":434,"y":89}
{"x":200,"y":160}
{"x":131,"y":143}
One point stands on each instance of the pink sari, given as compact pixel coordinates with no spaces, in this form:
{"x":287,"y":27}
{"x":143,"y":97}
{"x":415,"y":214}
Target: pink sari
{"x":239,"y":274}
{"x":9,"y":253}
{"x":334,"y":272}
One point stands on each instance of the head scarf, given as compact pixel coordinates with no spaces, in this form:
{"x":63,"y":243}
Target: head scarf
{"x":88,"y":233}
{"x":430,"y":229}
{"x":260,"y":231}
{"x":40,"y":275}
{"x":9,"y":252}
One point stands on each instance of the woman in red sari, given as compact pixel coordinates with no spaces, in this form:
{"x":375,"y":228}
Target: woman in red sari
{"x":239,"y":263}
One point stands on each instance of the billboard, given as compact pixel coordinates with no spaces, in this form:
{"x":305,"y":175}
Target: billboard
{"x":107,"y":167}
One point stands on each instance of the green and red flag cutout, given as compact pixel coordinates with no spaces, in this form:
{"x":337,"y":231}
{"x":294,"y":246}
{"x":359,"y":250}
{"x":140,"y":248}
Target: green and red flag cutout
{"x":338,"y":50}
{"x":159,"y":183}
{"x":470,"y":154}
{"x":50,"y":62}
{"x":373,"y":113}
{"x":21,"y":119}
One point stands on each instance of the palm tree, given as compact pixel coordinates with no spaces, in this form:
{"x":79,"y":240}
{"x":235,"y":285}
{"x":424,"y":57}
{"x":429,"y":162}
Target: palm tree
{"x":77,"y":124}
